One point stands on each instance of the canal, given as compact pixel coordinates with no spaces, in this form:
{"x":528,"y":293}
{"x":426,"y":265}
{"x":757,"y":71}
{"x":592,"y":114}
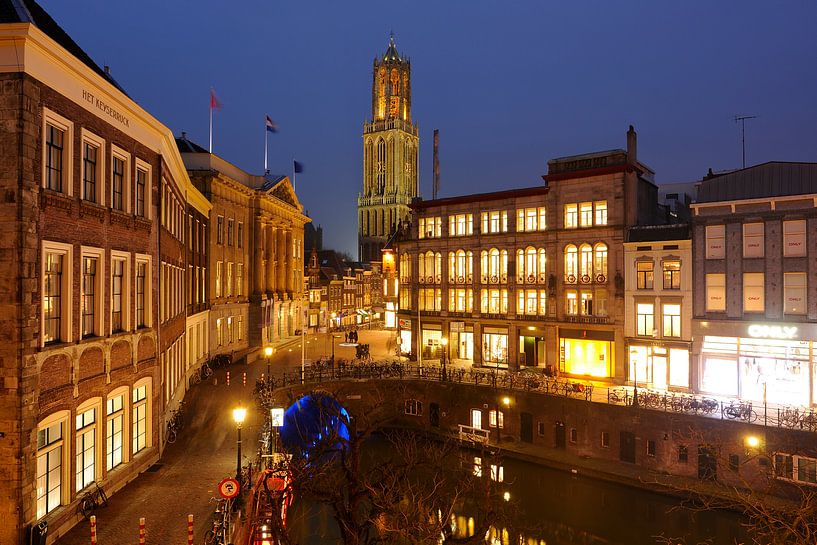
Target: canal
{"x":552,"y":507}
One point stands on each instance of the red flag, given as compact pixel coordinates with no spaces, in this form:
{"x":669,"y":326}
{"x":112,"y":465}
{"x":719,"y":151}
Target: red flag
{"x":215,"y":103}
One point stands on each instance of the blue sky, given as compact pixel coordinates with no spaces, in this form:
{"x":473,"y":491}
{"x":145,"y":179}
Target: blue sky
{"x":510,"y":84}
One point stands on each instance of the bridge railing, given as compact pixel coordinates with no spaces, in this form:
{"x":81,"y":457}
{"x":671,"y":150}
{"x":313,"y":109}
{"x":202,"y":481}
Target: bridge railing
{"x":797,"y":418}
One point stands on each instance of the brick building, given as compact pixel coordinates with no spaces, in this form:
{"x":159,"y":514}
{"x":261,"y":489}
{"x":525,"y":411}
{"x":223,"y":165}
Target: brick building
{"x":93,"y":187}
{"x":755,"y":303}
{"x":530,"y":277}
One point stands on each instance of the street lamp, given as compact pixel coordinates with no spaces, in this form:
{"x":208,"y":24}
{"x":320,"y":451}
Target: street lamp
{"x":444,"y":343}
{"x":267,"y":355}
{"x":239,"y":413}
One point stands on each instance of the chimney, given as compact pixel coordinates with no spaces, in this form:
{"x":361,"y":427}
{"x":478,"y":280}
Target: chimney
{"x":107,"y":70}
{"x":632,"y":146}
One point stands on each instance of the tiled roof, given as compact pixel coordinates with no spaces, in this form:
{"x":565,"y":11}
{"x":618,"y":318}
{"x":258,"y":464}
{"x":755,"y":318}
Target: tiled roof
{"x":772,"y":179}
{"x":29,"y":11}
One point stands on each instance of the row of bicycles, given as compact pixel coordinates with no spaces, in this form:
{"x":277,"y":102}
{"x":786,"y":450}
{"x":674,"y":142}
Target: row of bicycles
{"x":175,"y":424}
{"x":219,"y":533}
{"x":207,"y":368}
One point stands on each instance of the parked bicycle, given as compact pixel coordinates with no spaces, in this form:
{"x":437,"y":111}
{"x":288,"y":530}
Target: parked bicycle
{"x":740,"y":411}
{"x":202,"y":373}
{"x":93,"y":498}
{"x":175,"y":424}
{"x":218,"y":534}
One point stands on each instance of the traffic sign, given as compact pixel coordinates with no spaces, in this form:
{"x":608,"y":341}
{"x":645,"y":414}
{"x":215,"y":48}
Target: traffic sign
{"x":228,"y":488}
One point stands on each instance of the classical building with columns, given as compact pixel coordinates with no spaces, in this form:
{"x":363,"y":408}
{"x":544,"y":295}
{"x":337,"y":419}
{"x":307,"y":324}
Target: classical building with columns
{"x":255,"y":259}
{"x":390,"y":155}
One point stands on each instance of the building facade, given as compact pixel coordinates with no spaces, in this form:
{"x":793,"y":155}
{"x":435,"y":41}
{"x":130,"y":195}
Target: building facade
{"x":390,"y":155}
{"x":755,"y":303}
{"x":658,"y":306}
{"x":93,"y":353}
{"x":255,"y":255}
{"x":531,"y":277}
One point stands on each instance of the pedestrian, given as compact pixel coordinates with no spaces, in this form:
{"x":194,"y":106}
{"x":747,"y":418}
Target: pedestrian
{"x":346,"y":336}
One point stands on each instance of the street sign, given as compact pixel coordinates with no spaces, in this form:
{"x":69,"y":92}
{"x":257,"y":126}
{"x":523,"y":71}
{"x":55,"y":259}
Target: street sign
{"x":277,"y":415}
{"x":228,"y":488}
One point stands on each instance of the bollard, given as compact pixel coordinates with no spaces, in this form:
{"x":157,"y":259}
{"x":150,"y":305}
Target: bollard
{"x":189,"y":529}
{"x":245,"y":378}
{"x":142,"y":531}
{"x":228,"y":378}
{"x":93,"y":529}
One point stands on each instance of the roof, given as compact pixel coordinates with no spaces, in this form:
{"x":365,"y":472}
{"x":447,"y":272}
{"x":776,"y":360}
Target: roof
{"x":418,"y":203}
{"x":186,"y":145}
{"x":772,"y":179}
{"x":391,"y":52}
{"x":29,"y":11}
{"x":655,"y":233}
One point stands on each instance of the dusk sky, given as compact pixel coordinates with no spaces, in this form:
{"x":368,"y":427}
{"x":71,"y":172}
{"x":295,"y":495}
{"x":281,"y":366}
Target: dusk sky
{"x":509,"y":84}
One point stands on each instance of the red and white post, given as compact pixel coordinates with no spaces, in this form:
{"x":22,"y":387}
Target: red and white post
{"x":93,"y":529}
{"x":189,"y":529}
{"x":142,"y":531}
{"x":228,"y":378}
{"x":245,"y":378}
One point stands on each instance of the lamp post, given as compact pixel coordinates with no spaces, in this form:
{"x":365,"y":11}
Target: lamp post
{"x":267,"y":355}
{"x":444,"y":356}
{"x":239,"y":413}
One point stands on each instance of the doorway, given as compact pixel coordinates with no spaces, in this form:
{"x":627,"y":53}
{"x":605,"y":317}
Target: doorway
{"x":560,"y":438}
{"x":465,"y":345}
{"x":526,"y":428}
{"x":532,"y":351}
{"x":626,"y":451}
{"x":476,"y":418}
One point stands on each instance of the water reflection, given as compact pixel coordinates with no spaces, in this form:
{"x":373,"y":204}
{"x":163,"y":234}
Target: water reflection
{"x":558,"y":508}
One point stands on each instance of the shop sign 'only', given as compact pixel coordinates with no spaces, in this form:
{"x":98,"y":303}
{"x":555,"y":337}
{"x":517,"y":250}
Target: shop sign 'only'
{"x":760,"y":331}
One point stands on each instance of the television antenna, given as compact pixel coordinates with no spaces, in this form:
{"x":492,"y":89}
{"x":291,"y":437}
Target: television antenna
{"x":742,"y":119}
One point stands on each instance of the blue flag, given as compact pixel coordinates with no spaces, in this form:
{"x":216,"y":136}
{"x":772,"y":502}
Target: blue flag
{"x":271,"y":125}
{"x":297,"y":167}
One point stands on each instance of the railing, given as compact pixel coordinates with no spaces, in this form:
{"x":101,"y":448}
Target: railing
{"x":587,"y":319}
{"x":794,"y":418}
{"x":474,"y":435}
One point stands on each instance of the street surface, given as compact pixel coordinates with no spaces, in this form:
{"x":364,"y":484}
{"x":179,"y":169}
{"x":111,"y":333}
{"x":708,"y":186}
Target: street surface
{"x":185,"y":478}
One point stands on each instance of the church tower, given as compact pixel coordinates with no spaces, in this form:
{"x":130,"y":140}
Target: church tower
{"x":390,"y":155}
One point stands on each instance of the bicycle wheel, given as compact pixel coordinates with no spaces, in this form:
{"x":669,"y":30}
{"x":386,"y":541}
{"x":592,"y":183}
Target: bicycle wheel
{"x":86,"y":506}
{"x":103,"y":497}
{"x":171,"y":436}
{"x":209,"y":537}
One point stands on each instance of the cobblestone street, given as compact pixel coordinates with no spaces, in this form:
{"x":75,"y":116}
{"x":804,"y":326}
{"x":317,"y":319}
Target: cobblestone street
{"x":186,"y":476}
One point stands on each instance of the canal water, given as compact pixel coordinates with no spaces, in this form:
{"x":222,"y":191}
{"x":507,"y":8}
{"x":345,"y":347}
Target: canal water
{"x":559,"y":508}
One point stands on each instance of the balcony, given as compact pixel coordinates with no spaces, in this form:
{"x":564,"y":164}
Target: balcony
{"x":387,"y":124}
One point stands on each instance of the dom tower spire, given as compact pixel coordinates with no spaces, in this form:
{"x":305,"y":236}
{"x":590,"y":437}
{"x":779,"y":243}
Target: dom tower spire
{"x":390,"y":155}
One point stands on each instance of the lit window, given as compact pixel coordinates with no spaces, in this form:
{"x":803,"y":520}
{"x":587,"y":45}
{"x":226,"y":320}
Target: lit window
{"x":50,"y":446}
{"x":430,"y":227}
{"x":54,"y":157}
{"x":141,"y":294}
{"x":113,"y":437}
{"x":140,"y":418}
{"x":672,"y":320}
{"x":672,"y":275}
{"x":571,"y":264}
{"x":496,"y":419}
{"x":219,"y":271}
{"x":715,"y":247}
{"x":89,"y":291}
{"x":601,"y":212}
{"x":586,"y":214}
{"x":794,"y":293}
{"x":753,"y":240}
{"x":586,"y":303}
{"x":239,"y":279}
{"x":85,"y":448}
{"x":753,"y":292}
{"x":644,"y":275}
{"x":571,"y":216}
{"x":495,"y":221}
{"x":117,"y":299}
{"x":794,"y":238}
{"x":715,"y":292}
{"x":460,"y":225}
{"x":530,"y":219}
{"x":571,"y":303}
{"x":52,"y":298}
{"x":645,"y":317}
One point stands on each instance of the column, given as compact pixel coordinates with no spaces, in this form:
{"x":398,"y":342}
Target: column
{"x":271,"y":258}
{"x":281,"y":242}
{"x":260,"y":278}
{"x":290,"y":263}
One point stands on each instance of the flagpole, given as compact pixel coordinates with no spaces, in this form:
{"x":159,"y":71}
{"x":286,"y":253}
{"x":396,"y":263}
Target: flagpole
{"x":266,"y":136}
{"x":211,"y":125}
{"x":293,"y":173}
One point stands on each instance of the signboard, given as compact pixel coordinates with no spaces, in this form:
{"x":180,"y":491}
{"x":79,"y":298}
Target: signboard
{"x":277,"y":417}
{"x":763,"y":331}
{"x":404,"y":323}
{"x":228,"y":488}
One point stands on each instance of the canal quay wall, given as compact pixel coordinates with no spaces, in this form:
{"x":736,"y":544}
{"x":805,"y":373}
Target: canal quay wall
{"x":637,"y":446}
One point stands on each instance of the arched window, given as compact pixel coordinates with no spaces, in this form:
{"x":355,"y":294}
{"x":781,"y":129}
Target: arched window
{"x":585,"y":263}
{"x":381,"y":166}
{"x":430,"y":267}
{"x":405,"y":268}
{"x":497,"y":266}
{"x":571,"y":264}
{"x":600,"y":262}
{"x":53,"y":452}
{"x":541,"y":262}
